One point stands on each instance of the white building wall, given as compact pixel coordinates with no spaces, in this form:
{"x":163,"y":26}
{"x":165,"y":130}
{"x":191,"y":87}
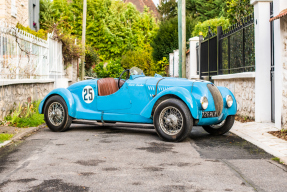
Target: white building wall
{"x":176,"y":62}
{"x":171,"y":71}
{"x":262,"y":61}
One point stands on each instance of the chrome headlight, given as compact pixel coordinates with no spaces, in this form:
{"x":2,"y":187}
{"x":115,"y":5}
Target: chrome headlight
{"x":204,"y":102}
{"x":229,"y":100}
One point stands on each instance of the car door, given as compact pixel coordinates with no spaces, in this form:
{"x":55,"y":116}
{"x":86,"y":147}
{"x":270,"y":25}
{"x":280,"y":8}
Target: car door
{"x":116,"y":101}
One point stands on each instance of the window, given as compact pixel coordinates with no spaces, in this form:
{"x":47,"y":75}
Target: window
{"x":13,"y":8}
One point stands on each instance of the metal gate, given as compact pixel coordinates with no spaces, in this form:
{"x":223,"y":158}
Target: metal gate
{"x":208,"y":56}
{"x":272,"y":77}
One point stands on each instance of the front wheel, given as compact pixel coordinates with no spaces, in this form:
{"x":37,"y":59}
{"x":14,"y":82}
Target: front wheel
{"x":172,"y":120}
{"x":220,"y":128}
{"x":56,"y":114}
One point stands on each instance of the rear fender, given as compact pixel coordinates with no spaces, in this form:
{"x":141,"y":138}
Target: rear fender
{"x":180,"y":92}
{"x":66,"y":95}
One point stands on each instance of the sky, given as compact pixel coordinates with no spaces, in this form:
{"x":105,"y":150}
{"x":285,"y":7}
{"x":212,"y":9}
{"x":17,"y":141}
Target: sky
{"x":156,"y":2}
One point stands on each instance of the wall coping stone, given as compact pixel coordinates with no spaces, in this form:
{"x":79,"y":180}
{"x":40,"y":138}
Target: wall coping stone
{"x":194,"y":77}
{"x":24,"y":81}
{"x":243,"y":75}
{"x":253,"y":2}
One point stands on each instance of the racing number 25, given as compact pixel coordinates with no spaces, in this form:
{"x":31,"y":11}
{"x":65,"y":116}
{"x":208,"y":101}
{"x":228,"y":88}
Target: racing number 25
{"x":88,"y":92}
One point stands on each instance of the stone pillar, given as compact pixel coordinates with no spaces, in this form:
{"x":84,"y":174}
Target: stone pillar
{"x":193,"y":58}
{"x":280,"y":63}
{"x":262,"y":60}
{"x":171,"y":71}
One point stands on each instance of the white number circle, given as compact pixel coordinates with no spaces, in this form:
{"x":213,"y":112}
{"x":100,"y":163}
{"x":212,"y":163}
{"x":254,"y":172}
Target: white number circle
{"x":88,"y":94}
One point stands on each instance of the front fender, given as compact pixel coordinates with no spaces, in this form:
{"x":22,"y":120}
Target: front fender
{"x":224,"y":92}
{"x":67,"y":96}
{"x":180,"y":92}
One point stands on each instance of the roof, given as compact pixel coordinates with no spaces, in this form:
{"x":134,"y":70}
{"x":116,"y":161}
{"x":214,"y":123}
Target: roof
{"x":141,"y":3}
{"x":281,"y":14}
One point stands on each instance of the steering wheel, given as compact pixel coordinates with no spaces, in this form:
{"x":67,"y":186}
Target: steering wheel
{"x":128,"y":75}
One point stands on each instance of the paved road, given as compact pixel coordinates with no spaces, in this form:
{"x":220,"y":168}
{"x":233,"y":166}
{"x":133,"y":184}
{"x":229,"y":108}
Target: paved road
{"x":91,"y":158}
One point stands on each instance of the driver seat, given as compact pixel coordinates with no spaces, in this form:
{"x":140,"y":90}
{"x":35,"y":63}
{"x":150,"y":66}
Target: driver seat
{"x":108,"y":86}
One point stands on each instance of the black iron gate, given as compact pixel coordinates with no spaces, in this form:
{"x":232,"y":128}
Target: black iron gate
{"x":208,"y":56}
{"x":272,"y":77}
{"x":228,"y":51}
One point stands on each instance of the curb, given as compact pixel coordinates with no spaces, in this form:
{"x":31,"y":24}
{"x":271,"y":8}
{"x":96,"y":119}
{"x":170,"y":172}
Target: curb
{"x":19,"y":136}
{"x":267,"y":144}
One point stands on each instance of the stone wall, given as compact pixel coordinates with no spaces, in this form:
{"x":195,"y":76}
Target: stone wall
{"x":283,"y":24}
{"x":22,"y":12}
{"x":13,"y":94}
{"x":244,"y":92}
{"x":72,"y":71}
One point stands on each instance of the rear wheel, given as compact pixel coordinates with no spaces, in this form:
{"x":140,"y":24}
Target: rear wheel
{"x":222,"y":127}
{"x":56,"y":114}
{"x":172,"y":120}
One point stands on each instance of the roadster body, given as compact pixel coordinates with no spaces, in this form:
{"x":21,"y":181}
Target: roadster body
{"x":173,"y":105}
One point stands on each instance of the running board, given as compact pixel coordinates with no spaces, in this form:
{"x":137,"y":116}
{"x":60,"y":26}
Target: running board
{"x":114,"y":124}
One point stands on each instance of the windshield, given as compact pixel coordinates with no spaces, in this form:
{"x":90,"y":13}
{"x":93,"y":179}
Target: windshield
{"x":136,"y":71}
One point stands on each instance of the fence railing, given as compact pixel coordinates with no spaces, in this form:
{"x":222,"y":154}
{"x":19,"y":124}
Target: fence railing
{"x":228,"y":51}
{"x":25,"y":56}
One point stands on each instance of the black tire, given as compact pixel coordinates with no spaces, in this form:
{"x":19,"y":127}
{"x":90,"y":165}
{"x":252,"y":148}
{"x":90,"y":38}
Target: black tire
{"x":187,"y":120}
{"x":223,"y":128}
{"x":67,"y":120}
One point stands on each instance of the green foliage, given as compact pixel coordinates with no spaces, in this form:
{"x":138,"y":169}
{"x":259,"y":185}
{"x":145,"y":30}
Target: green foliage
{"x":166,"y":39}
{"x":168,"y":9}
{"x":113,"y":27}
{"x":161,"y":67}
{"x":46,"y":11}
{"x":278,"y":160}
{"x":41,"y":33}
{"x":91,"y":58}
{"x":238,"y":9}
{"x":26,"y":116}
{"x":200,"y":10}
{"x":111,"y":69}
{"x":202,"y":28}
{"x":208,"y":9}
{"x":5,"y":137}
{"x":141,"y":59}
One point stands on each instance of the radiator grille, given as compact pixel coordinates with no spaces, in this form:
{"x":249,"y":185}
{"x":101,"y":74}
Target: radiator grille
{"x":217,"y":98}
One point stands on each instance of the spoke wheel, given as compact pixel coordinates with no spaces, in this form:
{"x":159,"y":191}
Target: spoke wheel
{"x":56,"y":113}
{"x":170,"y":120}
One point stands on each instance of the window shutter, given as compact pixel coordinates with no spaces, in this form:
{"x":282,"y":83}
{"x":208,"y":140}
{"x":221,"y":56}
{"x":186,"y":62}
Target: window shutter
{"x":13,"y":8}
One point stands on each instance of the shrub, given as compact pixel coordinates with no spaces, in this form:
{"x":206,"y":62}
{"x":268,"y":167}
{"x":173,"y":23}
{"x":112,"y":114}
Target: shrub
{"x":111,"y":69}
{"x":41,"y":33}
{"x":141,"y":59}
{"x":161,"y":67}
{"x":26,"y":115}
{"x":212,"y":23}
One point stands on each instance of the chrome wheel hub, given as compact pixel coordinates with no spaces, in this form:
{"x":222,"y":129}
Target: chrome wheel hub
{"x":56,"y":113}
{"x":171,"y":120}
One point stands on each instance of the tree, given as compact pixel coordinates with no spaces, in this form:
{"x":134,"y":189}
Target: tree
{"x":237,"y":9}
{"x":166,"y":39}
{"x":113,"y":27}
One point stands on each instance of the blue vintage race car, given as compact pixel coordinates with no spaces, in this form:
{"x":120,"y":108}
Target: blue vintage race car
{"x":173,"y":105}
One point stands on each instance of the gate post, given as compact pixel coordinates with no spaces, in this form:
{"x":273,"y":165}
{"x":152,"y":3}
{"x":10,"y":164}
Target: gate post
{"x":262,"y":60}
{"x":199,"y":49}
{"x":219,"y":50}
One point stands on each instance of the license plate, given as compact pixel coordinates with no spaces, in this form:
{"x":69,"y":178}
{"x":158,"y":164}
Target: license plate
{"x":207,"y":114}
